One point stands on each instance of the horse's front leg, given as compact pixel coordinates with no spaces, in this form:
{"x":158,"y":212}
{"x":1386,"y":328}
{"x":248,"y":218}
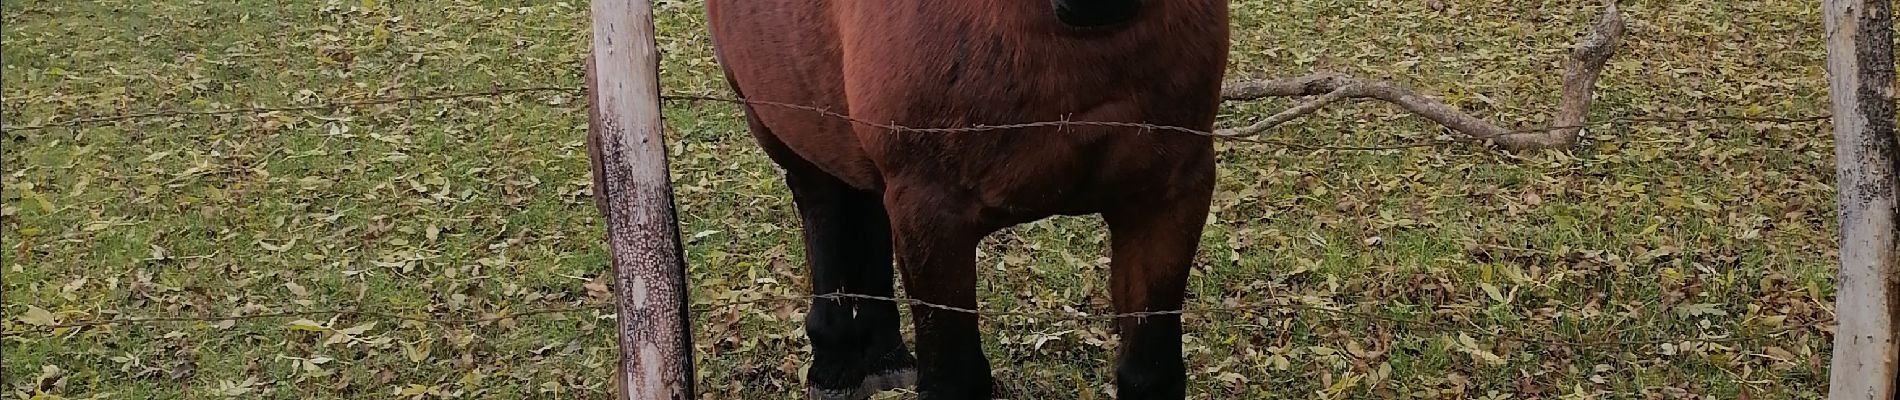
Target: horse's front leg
{"x":1153,"y":244}
{"x":936,"y":250}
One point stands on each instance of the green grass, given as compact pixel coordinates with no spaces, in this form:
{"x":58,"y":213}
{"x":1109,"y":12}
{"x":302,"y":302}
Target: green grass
{"x":476,"y":208}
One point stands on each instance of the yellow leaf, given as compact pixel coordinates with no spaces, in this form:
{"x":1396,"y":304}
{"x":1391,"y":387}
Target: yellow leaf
{"x":1779,"y":354}
{"x":1470,"y":346}
{"x":1322,"y":351}
{"x":336,"y":338}
{"x":296,"y":289}
{"x":472,"y":378}
{"x":418,"y":352}
{"x":357,"y":330}
{"x":1492,"y":291}
{"x":96,"y":226}
{"x":413,"y":389}
{"x":39,"y":316}
{"x":45,"y":206}
{"x":307,"y":325}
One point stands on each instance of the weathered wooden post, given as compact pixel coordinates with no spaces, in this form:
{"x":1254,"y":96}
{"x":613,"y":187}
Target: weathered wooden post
{"x":1860,"y":67}
{"x":649,"y":270}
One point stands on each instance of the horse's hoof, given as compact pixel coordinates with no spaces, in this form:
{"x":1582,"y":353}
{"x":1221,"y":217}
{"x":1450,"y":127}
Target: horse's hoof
{"x":887,"y":380}
{"x":894,"y":379}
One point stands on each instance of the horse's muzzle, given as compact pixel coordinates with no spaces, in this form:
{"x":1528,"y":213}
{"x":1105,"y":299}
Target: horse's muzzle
{"x":1095,"y":13}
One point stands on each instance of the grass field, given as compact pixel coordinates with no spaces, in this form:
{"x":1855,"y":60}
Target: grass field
{"x":1707,"y":246}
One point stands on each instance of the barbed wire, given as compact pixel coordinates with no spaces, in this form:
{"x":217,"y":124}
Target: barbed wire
{"x":328,"y":312}
{"x":1064,"y":316}
{"x":502,"y":91}
{"x":492,"y":92}
{"x":1057,"y":124}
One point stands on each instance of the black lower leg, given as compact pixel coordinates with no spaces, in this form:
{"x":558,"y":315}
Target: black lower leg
{"x":938,"y":255}
{"x":856,"y":344}
{"x":951,"y":364}
{"x":1153,"y":245}
{"x":1150,"y":366}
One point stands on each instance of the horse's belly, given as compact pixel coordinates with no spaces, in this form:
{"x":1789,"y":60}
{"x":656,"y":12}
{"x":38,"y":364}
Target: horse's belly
{"x":1018,"y":175}
{"x":786,"y":52}
{"x":928,"y":69}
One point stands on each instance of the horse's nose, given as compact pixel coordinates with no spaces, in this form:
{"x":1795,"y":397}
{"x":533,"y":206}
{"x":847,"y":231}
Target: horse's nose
{"x":1095,"y":13}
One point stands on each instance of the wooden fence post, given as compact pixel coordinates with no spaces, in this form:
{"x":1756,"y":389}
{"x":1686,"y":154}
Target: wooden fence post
{"x":1860,"y":67}
{"x":649,"y":270}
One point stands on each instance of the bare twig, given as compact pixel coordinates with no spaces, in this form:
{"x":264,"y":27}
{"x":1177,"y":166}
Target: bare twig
{"x":1288,"y":115}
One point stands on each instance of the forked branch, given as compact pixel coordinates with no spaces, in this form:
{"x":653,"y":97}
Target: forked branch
{"x":1581,"y":71}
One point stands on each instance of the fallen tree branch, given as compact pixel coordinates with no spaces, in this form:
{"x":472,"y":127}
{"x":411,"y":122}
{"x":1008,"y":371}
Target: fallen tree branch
{"x":1347,"y":86}
{"x":1581,"y":72}
{"x":1290,"y":114}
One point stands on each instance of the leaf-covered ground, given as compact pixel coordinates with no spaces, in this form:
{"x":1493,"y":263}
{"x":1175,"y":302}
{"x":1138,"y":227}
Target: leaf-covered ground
{"x":1660,"y":261}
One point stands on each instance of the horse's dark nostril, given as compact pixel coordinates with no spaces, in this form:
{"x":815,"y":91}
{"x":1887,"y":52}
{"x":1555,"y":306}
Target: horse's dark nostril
{"x":1095,"y":13}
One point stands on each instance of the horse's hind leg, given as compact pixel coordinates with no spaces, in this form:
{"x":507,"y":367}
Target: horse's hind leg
{"x":856,"y":347}
{"x":1153,"y":246}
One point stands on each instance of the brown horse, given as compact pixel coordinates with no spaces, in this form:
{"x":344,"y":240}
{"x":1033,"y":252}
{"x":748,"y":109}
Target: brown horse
{"x":867,"y":193}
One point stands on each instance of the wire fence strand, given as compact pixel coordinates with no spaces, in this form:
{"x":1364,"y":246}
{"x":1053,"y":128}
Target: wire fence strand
{"x":890,"y":126}
{"x":493,"y":92}
{"x":1429,"y":326}
{"x":330,"y":312}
